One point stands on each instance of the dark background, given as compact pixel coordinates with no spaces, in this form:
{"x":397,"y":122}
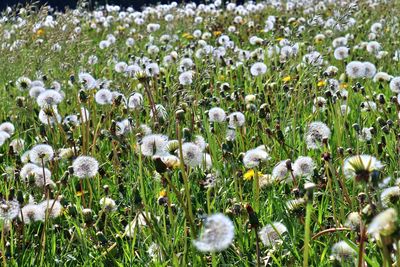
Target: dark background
{"x":61,"y":4}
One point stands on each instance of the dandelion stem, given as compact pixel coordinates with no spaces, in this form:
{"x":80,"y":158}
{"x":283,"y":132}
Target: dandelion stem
{"x":307,"y":234}
{"x":257,"y":246}
{"x":330,"y":230}
{"x":185,"y":181}
{"x":256,"y":191}
{"x":361,"y":246}
{"x":3,"y":250}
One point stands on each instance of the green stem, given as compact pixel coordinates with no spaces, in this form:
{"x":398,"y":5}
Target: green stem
{"x":307,"y":234}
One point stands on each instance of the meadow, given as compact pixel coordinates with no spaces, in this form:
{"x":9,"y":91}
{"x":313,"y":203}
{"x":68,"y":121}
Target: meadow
{"x":215,"y":134}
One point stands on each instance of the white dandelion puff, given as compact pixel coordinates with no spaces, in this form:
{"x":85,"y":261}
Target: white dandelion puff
{"x":85,"y":167}
{"x":271,"y":234}
{"x":217,"y":234}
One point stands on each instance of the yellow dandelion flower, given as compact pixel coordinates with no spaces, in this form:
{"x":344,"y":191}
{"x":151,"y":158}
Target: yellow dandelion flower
{"x":187,"y":35}
{"x":279,"y":39}
{"x":287,"y":78}
{"x":79,"y":193}
{"x":321,"y":83}
{"x":217,"y":33}
{"x":250,"y":174}
{"x":39,"y":32}
{"x":162,"y":193}
{"x":343,"y":85}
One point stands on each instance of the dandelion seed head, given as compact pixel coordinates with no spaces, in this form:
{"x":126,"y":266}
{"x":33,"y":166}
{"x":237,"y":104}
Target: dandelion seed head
{"x":316,"y":132}
{"x":52,"y":207}
{"x":361,"y":166}
{"x":35,"y":91}
{"x":192,"y":154}
{"x":341,"y":251}
{"x":254,"y":157}
{"x":355,"y":69}
{"x":390,"y":196}
{"x":23,"y":83}
{"x":217,"y":234}
{"x":87,"y":81}
{"x":303,"y":166}
{"x":258,"y":69}
{"x":236,"y":119}
{"x":32,"y":213}
{"x":353,"y":221}
{"x":108,"y":204}
{"x":383,"y":224}
{"x":154,"y":144}
{"x":49,"y":98}
{"x":17,"y":144}
{"x":281,"y":172}
{"x":395,"y":85}
{"x":216,"y":114}
{"x":103,"y":97}
{"x":9,"y":209}
{"x":85,"y":167}
{"x":40,"y":154}
{"x":271,"y":234}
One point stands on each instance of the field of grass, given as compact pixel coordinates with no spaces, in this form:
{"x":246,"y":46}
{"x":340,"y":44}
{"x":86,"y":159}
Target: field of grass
{"x":217,"y":134}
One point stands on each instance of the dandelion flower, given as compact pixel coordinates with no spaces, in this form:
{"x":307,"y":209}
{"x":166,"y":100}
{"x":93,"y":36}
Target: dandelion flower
{"x":7,"y":127}
{"x":216,"y":114}
{"x":271,"y":234}
{"x":303,"y":166}
{"x":192,"y":154}
{"x":395,"y":85}
{"x":85,"y":167}
{"x":49,"y":98}
{"x":355,"y":69}
{"x":32,"y":213}
{"x":254,"y":157}
{"x":103,"y":97}
{"x":8,"y":209}
{"x":217,"y":234}
{"x":383,"y":224}
{"x":361,"y":166}
{"x":40,"y":154}
{"x":258,"y":69}
{"x":154,"y":144}
{"x":52,"y":206}
{"x":342,"y":252}
{"x":236,"y":119}
{"x":390,"y":196}
{"x":280,"y":171}
{"x":108,"y":204}
{"x":316,"y":132}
